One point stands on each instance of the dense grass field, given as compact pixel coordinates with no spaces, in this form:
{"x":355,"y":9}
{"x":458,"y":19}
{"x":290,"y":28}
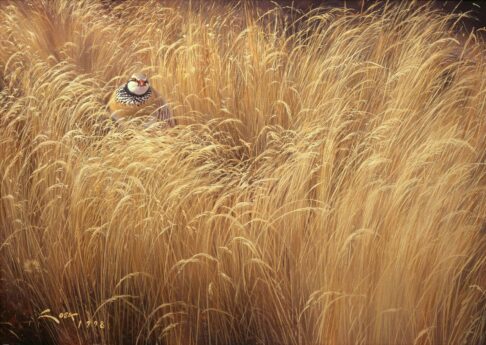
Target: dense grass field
{"x":325,"y":184}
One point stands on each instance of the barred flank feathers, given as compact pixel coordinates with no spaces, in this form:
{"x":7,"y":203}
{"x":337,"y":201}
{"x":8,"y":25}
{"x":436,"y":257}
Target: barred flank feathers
{"x":325,"y":183}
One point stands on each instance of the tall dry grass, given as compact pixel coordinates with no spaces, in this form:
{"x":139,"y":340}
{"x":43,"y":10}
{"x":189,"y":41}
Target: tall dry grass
{"x":325,"y":185}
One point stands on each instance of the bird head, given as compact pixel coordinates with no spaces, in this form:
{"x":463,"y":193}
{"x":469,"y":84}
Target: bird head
{"x":138,"y":84}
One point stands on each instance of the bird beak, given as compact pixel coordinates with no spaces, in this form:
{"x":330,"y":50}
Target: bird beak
{"x":140,"y":82}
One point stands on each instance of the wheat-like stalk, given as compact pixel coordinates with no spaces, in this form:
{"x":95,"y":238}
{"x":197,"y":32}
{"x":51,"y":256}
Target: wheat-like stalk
{"x":325,"y":184}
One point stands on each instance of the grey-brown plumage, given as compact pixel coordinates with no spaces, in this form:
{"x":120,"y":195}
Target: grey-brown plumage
{"x":138,"y":98}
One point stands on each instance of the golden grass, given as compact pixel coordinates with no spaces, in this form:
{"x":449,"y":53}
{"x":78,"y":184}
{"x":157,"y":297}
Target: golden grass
{"x":325,"y":184}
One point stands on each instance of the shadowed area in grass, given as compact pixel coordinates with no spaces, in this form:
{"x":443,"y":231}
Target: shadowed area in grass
{"x":325,"y":183}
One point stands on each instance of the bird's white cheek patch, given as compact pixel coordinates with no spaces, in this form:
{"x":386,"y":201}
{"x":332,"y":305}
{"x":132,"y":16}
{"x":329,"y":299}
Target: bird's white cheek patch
{"x":136,"y":89}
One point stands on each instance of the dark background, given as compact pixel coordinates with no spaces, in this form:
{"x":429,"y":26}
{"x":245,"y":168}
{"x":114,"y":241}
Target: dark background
{"x":477,"y":8}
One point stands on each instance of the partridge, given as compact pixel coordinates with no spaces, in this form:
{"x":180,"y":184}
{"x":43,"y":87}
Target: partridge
{"x":138,"y":98}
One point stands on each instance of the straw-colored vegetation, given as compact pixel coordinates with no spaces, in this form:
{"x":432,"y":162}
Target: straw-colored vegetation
{"x":325,"y":183}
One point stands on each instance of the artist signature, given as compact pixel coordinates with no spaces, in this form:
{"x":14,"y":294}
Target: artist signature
{"x":74,"y":317}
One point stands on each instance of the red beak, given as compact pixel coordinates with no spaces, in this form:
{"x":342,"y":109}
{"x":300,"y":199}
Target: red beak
{"x":141,"y":83}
